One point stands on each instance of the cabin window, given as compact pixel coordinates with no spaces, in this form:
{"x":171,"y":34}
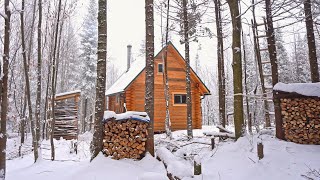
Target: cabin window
{"x":180,"y":99}
{"x":118,"y":99}
{"x":160,"y":68}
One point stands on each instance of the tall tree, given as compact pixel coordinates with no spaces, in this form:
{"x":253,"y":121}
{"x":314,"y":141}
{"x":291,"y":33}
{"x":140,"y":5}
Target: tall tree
{"x":149,"y":94}
{"x":165,"y":76}
{"x":311,"y":42}
{"x":96,"y":144}
{"x":28,"y":94}
{"x":187,"y":59}
{"x":53,"y":81}
{"x":274,"y":65}
{"x":237,"y":67}
{"x":4,"y":89}
{"x":38,"y":98}
{"x":221,"y":74}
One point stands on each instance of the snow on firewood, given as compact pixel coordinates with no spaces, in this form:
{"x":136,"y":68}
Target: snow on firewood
{"x":133,"y":115}
{"x":306,"y":89}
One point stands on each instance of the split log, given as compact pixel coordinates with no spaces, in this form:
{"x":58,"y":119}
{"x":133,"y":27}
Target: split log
{"x":301,"y":119}
{"x":125,"y":138}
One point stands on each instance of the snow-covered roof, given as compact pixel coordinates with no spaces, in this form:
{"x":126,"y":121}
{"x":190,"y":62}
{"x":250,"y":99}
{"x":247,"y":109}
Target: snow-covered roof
{"x":135,"y":69}
{"x":125,"y":79}
{"x":67,"y":93}
{"x":305,"y":89}
{"x":134,"y":115}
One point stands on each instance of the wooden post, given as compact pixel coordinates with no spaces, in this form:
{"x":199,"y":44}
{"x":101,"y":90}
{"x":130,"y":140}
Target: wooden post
{"x":260,"y":150}
{"x":278,"y":116}
{"x":212,"y":143}
{"x":85,"y":115}
{"x":197,"y":165}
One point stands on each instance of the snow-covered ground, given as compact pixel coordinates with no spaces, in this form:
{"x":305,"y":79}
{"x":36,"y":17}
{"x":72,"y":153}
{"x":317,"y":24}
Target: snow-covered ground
{"x":229,"y":160}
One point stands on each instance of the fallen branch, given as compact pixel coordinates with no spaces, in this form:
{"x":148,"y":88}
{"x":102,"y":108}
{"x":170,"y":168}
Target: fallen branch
{"x":221,"y":135}
{"x":222,"y":129}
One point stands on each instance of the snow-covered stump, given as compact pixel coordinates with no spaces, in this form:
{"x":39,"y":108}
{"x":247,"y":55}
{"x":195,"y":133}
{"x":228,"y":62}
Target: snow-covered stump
{"x":125,"y":135}
{"x":197,"y":165}
{"x":260,"y":150}
{"x":299,"y":120}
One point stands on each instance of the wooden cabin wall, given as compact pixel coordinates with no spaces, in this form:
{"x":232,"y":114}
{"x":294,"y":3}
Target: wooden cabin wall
{"x":116,"y":103}
{"x":177,"y":84}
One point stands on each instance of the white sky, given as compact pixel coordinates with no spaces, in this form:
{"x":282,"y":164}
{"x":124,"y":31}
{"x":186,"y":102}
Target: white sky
{"x":126,"y":25}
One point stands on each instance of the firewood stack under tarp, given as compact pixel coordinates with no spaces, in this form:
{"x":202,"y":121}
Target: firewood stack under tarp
{"x":125,"y":134}
{"x":300,"y":111}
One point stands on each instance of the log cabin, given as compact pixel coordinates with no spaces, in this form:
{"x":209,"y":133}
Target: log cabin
{"x":128,"y":92}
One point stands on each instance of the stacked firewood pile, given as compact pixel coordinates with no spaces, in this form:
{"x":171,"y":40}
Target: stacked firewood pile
{"x":301,"y":119}
{"x":125,"y":136}
{"x":66,"y":119}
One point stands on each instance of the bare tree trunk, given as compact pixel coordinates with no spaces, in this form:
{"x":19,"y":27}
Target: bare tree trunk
{"x":221,"y":74}
{"x":53,"y":82}
{"x":149,"y":91}
{"x":166,"y":82}
{"x":26,"y":67}
{"x":4,"y":90}
{"x":245,"y":82}
{"x":96,"y":144}
{"x":237,"y":67}
{"x":38,"y":98}
{"x":274,"y":67}
{"x":46,"y":114}
{"x":311,"y":42}
{"x":187,"y":59}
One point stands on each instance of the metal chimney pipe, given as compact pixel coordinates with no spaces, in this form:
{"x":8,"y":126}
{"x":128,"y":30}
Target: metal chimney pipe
{"x":129,"y":47}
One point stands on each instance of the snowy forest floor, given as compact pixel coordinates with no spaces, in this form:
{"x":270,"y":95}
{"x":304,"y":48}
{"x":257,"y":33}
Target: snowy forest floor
{"x":229,"y":160}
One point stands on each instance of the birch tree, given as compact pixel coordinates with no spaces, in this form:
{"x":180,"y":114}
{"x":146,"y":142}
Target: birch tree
{"x":187,"y":59}
{"x":165,"y":76}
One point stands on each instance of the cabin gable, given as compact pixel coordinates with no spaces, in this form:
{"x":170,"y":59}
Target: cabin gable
{"x":134,"y":93}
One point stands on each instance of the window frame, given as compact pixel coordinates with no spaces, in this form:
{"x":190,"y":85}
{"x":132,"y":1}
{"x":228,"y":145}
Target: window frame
{"x":158,"y":72}
{"x":181,"y":94}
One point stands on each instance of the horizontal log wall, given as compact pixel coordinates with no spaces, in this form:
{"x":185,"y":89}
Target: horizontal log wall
{"x":177,"y":84}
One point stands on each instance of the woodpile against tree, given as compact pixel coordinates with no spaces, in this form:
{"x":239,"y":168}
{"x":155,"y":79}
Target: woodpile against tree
{"x":125,"y":135}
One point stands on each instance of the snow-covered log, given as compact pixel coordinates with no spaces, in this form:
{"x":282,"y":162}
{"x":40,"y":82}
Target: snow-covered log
{"x":176,"y":168}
